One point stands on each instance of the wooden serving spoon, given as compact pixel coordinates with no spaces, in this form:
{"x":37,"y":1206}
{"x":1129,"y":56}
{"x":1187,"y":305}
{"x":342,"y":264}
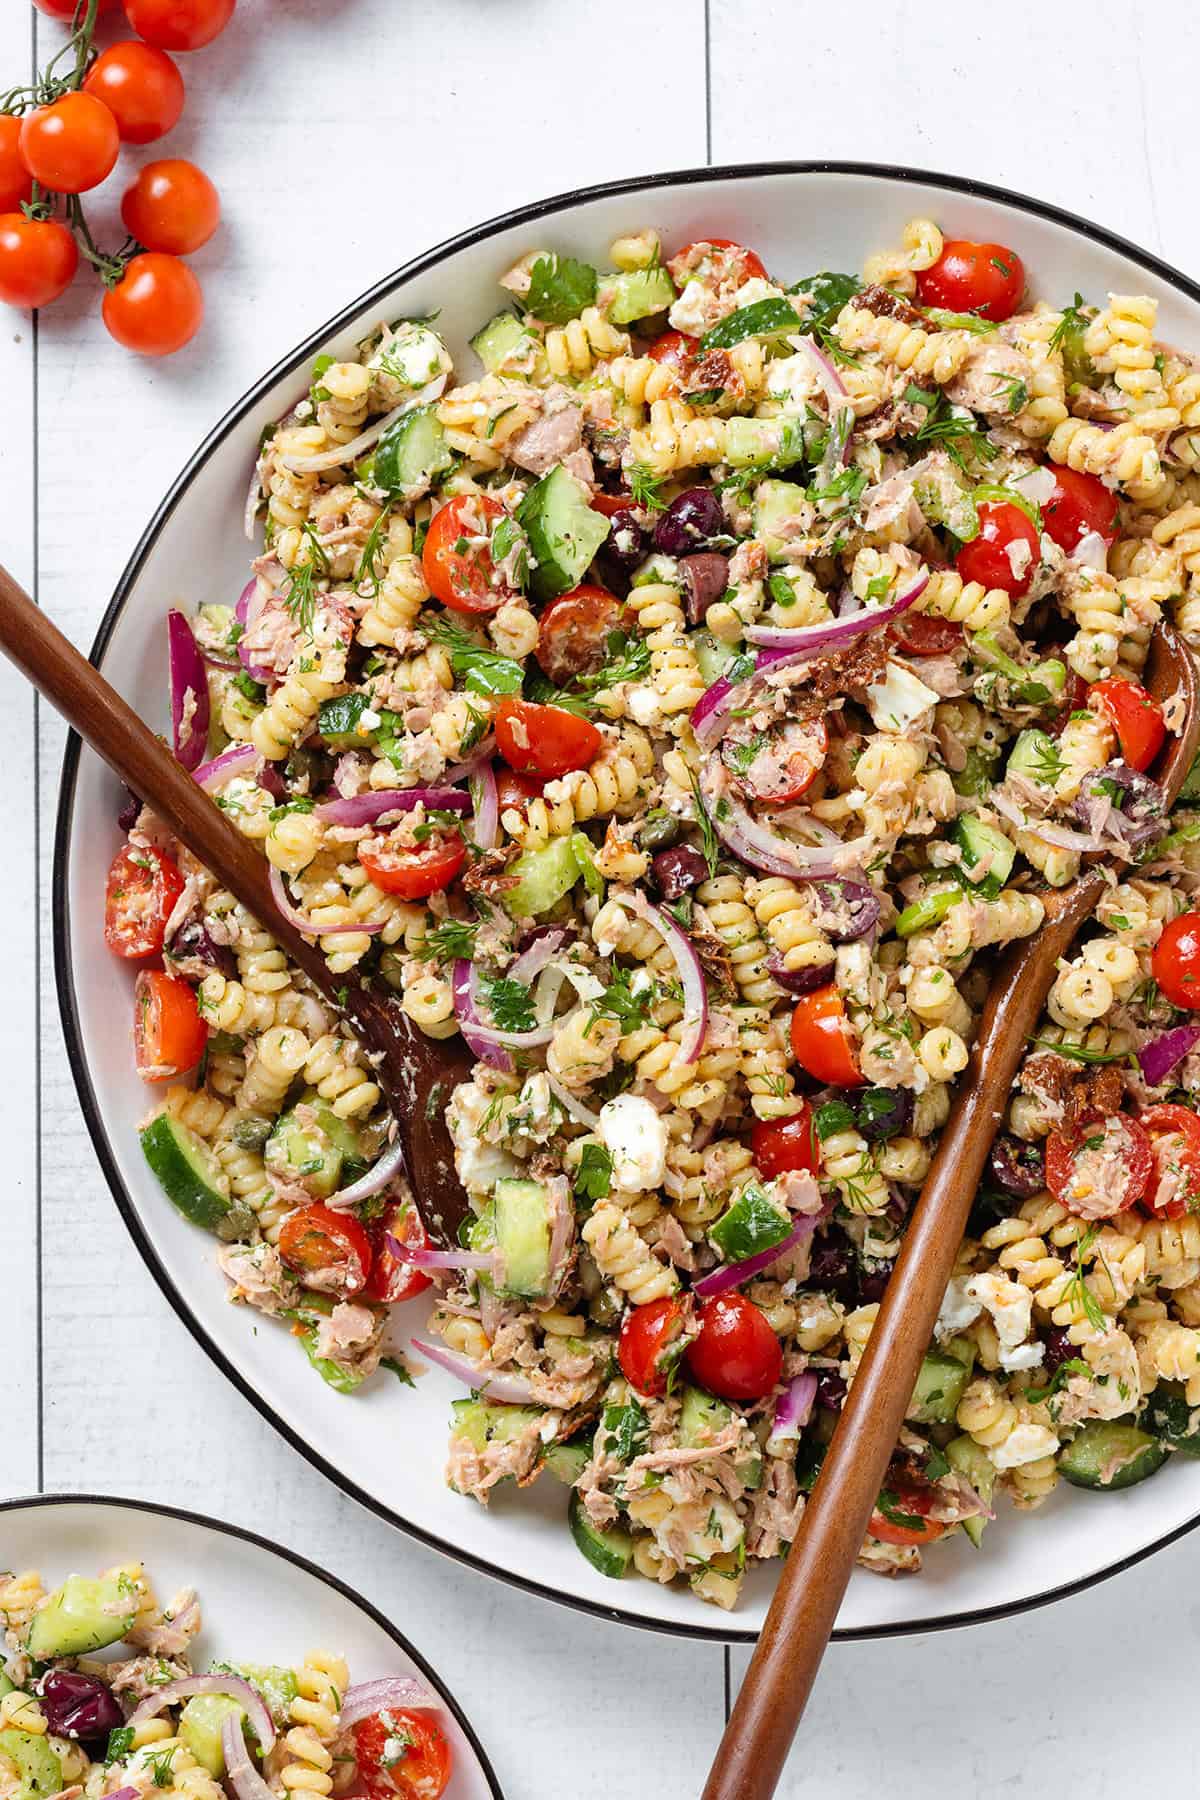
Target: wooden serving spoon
{"x":818,"y":1566}
{"x":415,"y":1074}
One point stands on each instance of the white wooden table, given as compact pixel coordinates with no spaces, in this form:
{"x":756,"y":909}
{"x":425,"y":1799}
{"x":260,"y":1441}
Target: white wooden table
{"x":345,"y":138}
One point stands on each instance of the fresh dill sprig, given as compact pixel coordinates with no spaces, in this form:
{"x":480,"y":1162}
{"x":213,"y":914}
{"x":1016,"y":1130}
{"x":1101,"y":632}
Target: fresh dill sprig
{"x":448,"y":941}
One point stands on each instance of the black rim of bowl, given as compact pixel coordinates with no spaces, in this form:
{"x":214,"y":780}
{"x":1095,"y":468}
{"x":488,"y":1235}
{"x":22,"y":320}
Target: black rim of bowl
{"x":300,"y":1562}
{"x":525,"y":215}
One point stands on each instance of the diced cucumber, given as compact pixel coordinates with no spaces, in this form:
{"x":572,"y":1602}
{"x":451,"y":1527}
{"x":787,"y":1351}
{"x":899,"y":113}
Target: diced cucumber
{"x":542,"y":878}
{"x":929,"y":910}
{"x":523,"y":1239}
{"x":81,"y":1616}
{"x":1105,"y":1453}
{"x":39,"y":1771}
{"x":986,"y":849}
{"x":504,"y":339}
{"x":411,"y":452}
{"x":637,"y":293}
{"x":313,"y":1157}
{"x":701,"y":1417}
{"x":563,"y":531}
{"x":1191,"y":782}
{"x":764,"y":443}
{"x":768,"y":319}
{"x":713,"y":656}
{"x":1169,"y":1418}
{"x":566,"y":1462}
{"x":276,"y":1685}
{"x":941,"y":1380}
{"x":483,"y":1422}
{"x":971,"y":1460}
{"x":585,"y":857}
{"x":977,"y":774}
{"x":190,"y":1176}
{"x":610,"y":1550}
{"x":775,"y":501}
{"x":6,"y":1686}
{"x":754,"y":1222}
{"x":827,"y":293}
{"x":1036,"y":756}
{"x":200,"y":1728}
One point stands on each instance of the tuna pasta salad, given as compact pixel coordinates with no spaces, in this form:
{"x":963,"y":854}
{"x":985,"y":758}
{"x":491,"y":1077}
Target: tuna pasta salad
{"x":686,"y":700}
{"x":99,"y":1701}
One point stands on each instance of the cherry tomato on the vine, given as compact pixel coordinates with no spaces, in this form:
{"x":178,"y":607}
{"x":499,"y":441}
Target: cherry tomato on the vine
{"x":1135,"y":716}
{"x":139,"y":897}
{"x":1102,"y":1169}
{"x":457,"y":558}
{"x":168,"y":1033}
{"x":141,"y":87}
{"x":1079,"y":504}
{"x":821,"y":1039}
{"x":735,"y":1353}
{"x":390,"y":1279}
{"x":544,"y":740}
{"x":967,"y":277}
{"x":331,"y":1250}
{"x":16,"y":183}
{"x":644,"y":1347}
{"x":156,"y":307}
{"x":171,"y":206}
{"x":783,"y":1145}
{"x":402,"y":1754}
{"x":179,"y":24}
{"x":414,"y":871}
{"x":1174,"y":1134}
{"x":70,"y":145}
{"x":1007,"y":551}
{"x":901,"y":1513}
{"x":38,"y":260}
{"x":1175,"y":963}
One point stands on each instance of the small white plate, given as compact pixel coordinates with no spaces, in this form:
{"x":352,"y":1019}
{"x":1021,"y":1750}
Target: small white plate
{"x":260,"y":1603}
{"x":385,"y":1447}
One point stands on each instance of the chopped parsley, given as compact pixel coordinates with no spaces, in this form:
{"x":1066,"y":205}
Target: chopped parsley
{"x":593,"y":1178}
{"x":482,"y":671}
{"x":398,"y":1370}
{"x":510,"y":1003}
{"x":559,"y":289}
{"x":1074,"y":1365}
{"x":619,"y":1001}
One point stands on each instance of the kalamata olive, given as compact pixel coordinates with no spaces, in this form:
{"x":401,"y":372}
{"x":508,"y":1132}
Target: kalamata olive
{"x":689,"y":522}
{"x":831,"y":1270}
{"x":847,"y":909}
{"x":677,"y":870}
{"x":192,"y":952}
{"x":883,"y":1112}
{"x":1123,"y":802}
{"x":705,"y":577}
{"x":127,"y":818}
{"x":799,"y":981}
{"x":1017,"y":1167}
{"x":873,"y":1281}
{"x":79,"y":1706}
{"x":626,"y":543}
{"x":659,"y":831}
{"x":831,"y":1390}
{"x":1059,"y":1348}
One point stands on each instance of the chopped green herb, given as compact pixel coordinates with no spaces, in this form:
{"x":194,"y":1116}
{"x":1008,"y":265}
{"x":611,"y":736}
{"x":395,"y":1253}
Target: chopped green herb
{"x":559,"y":289}
{"x":593,"y":1178}
{"x":483,"y":671}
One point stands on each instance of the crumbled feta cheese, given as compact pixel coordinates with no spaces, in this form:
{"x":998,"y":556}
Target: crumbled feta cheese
{"x":690,"y":310}
{"x":641,"y":703}
{"x":412,"y":355}
{"x":899,"y":700}
{"x":1024,"y":1444}
{"x":1025,"y":1356}
{"x":635,"y":1136}
{"x":368,"y":721}
{"x":957,"y":1310}
{"x":1009,"y":1302}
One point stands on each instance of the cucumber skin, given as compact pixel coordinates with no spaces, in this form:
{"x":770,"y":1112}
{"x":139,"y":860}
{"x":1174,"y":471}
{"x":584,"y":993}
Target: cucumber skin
{"x":543,"y":877}
{"x":165,"y":1148}
{"x":609,"y":1551}
{"x":38,"y":1766}
{"x":1168,"y":1417}
{"x":1079,"y":1463}
{"x":76,"y":1620}
{"x":563,"y":547}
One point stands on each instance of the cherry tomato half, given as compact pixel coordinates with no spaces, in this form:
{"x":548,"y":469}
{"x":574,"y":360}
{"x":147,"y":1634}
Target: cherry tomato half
{"x":390,"y":1279}
{"x":1135,"y":716}
{"x":821,"y":1039}
{"x":1079,"y":504}
{"x":157,"y":306}
{"x":649,"y":1334}
{"x":715,"y":260}
{"x":516,"y":791}
{"x":179,"y":24}
{"x":735,"y":1353}
{"x":544,"y":740}
{"x":574,"y":630}
{"x":1174,"y":1134}
{"x":783,"y":763}
{"x":171,"y":206}
{"x":38,"y":260}
{"x":1007,"y":551}
{"x":414,"y":872}
{"x":456,"y":558}
{"x":71,"y":144}
{"x":1175,"y":964}
{"x":1104,"y":1168}
{"x":672,"y":348}
{"x":139,"y":897}
{"x":781,"y":1145}
{"x":401,"y":1755}
{"x":610,"y":504}
{"x":901,"y":1514}
{"x":331,"y":1250}
{"x":969,"y":277}
{"x":924,"y":634}
{"x":168,"y":1033}
{"x":16,"y":183}
{"x":142,"y":89}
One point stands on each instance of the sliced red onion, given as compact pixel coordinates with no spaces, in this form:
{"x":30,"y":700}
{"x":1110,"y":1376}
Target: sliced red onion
{"x":125,"y":1793}
{"x":793,"y":1409}
{"x":437,"y":1259}
{"x":364,"y":809}
{"x":251,"y":603}
{"x":297,"y":919}
{"x":1091,"y":551}
{"x":485,"y":797}
{"x":823,"y":368}
{"x":348,"y":453}
{"x":1160,"y":1055}
{"x":573,"y":1107}
{"x":367,"y":1698}
{"x":800,"y":981}
{"x":687,"y":962}
{"x":542,"y":948}
{"x":241,"y":760}
{"x":1007,"y":807}
{"x":511,"y":1389}
{"x":462,"y":771}
{"x":836,"y":631}
{"x":189,"y":692}
{"x":232,"y":1686}
{"x":377,"y":1177}
{"x":761,"y":846}
{"x":240,"y":1772}
{"x":732,"y":1275}
{"x":1036,"y":485}
{"x":465,"y":987}
{"x":1061,"y":836}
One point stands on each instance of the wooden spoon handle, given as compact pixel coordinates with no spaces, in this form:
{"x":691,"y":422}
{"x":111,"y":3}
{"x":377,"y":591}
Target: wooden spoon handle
{"x":100,"y":716}
{"x":818,"y":1566}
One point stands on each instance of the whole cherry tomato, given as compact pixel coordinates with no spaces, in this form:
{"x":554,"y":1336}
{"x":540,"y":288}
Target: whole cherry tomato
{"x":457,"y":558}
{"x":1007,"y":551}
{"x":38,"y":260}
{"x":901,"y":1513}
{"x":390,"y":1279}
{"x":544,"y":740}
{"x":168,"y":1033}
{"x":414,"y":872}
{"x":179,"y":24}
{"x":1174,"y":1134}
{"x":1103,"y":1168}
{"x":735,"y":1353}
{"x":821,"y":1039}
{"x":1078,"y":505}
{"x":648,"y":1345}
{"x":157,"y":306}
{"x":1175,"y":963}
{"x":783,"y":1145}
{"x":16,"y":183}
{"x":171,"y":206}
{"x":401,"y":1754}
{"x":139,"y":897}
{"x":71,"y":144}
{"x":967,"y":277}
{"x":1135,"y":716}
{"x":142,"y":89}
{"x":574,"y":630}
{"x":331,"y":1250}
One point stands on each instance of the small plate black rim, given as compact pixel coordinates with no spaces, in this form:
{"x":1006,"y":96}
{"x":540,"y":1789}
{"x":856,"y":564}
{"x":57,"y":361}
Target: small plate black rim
{"x":899,"y":174}
{"x":226,"y":1529}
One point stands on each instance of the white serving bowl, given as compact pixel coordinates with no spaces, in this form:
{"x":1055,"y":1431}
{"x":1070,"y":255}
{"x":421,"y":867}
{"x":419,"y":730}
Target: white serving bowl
{"x":388,"y":1448}
{"x":260,"y":1603}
